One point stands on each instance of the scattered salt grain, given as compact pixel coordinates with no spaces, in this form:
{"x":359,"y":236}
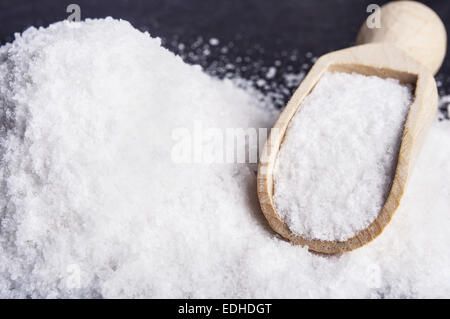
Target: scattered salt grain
{"x":271,"y":73}
{"x":337,"y":161}
{"x":214,"y":41}
{"x":260,"y":82}
{"x":293,"y":80}
{"x":93,"y":206}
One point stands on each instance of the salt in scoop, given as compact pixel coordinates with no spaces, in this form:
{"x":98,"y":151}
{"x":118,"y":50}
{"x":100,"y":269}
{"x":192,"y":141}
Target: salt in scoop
{"x":409,"y":45}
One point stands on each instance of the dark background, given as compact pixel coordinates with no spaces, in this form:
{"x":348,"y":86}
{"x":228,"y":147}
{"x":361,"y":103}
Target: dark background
{"x":256,"y":32}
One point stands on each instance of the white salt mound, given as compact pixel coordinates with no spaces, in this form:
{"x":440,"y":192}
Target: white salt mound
{"x":93,"y":206}
{"x":337,"y":161}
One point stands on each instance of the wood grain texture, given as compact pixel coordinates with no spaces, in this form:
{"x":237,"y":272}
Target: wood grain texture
{"x":382,"y":59}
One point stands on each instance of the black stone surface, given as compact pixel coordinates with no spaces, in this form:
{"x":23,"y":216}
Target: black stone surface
{"x":262,"y":31}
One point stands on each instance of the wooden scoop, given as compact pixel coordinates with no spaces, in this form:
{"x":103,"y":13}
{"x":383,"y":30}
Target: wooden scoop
{"x":410,"y":46}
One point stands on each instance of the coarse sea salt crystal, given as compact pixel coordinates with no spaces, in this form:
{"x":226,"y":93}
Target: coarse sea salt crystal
{"x":337,"y":161}
{"x":92,"y":204}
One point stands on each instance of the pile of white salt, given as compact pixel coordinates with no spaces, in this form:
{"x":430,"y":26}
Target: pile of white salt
{"x":92,"y":204}
{"x":337,"y":161}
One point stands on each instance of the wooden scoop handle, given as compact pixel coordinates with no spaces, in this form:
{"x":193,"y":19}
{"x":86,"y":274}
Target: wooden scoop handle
{"x":410,"y":26}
